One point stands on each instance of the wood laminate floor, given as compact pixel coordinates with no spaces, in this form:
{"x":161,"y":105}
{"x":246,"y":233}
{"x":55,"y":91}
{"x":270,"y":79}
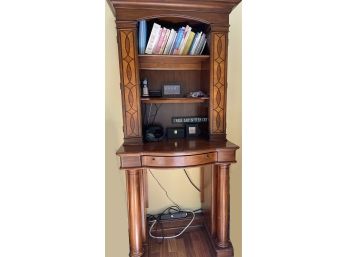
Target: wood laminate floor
{"x":193,"y":243}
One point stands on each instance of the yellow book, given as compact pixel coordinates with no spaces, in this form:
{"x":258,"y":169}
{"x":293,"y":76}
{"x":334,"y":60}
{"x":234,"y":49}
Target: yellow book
{"x":188,"y":43}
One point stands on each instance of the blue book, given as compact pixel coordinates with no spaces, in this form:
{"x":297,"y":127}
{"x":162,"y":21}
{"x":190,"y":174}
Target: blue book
{"x":194,"y":42}
{"x":178,"y":39}
{"x":142,"y":36}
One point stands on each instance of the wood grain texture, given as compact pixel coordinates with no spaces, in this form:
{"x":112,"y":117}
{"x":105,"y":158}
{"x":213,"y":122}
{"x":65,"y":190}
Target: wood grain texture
{"x":176,"y":153}
{"x":173,"y":62}
{"x":214,"y":13}
{"x":188,"y":79}
{"x":222,"y":208}
{"x":218,"y":84}
{"x":223,"y":6}
{"x":130,"y":84}
{"x":194,"y":243}
{"x":143,"y":203}
{"x":135,"y":212}
{"x":179,"y":161}
{"x":182,"y":100}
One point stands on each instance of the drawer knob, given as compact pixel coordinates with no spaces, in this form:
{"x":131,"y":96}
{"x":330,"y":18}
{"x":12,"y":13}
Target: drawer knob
{"x":153,"y":158}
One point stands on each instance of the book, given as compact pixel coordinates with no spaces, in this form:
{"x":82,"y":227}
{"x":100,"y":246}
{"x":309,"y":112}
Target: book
{"x":199,"y":46}
{"x":188,"y":43}
{"x":205,"y":41}
{"x":169,"y":41}
{"x":142,"y":36}
{"x":166,"y":36}
{"x":159,"y":42}
{"x":154,"y":36}
{"x":185,"y":38}
{"x":172,"y":43}
{"x":195,"y":43}
{"x":178,"y":40}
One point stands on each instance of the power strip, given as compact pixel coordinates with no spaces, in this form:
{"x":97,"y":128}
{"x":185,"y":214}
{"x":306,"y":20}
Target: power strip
{"x":183,"y":214}
{"x":176,"y":215}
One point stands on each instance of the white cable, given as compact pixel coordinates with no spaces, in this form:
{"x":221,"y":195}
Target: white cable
{"x":169,"y":237}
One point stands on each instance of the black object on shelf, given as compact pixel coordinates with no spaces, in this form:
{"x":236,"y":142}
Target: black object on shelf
{"x":192,"y":130}
{"x":175,"y":132}
{"x":155,"y":93}
{"x":154,"y":133}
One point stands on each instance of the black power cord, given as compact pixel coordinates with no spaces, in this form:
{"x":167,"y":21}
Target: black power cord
{"x":176,"y":208}
{"x":154,"y":117}
{"x":191,"y":181}
{"x":170,"y":199}
{"x":157,"y":218}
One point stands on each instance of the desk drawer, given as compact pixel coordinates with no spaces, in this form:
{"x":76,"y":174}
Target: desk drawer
{"x":179,"y":161}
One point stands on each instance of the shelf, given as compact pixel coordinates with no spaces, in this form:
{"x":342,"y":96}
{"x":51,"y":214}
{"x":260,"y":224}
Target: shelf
{"x":173,"y":62}
{"x":177,"y":147}
{"x":161,"y":100}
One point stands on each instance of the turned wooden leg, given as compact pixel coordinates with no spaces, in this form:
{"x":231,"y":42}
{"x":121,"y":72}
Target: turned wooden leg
{"x":143,"y":192}
{"x":135,"y":213}
{"x":223,"y":203}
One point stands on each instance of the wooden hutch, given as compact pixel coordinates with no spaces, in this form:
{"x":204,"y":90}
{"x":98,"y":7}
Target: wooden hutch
{"x":206,"y":72}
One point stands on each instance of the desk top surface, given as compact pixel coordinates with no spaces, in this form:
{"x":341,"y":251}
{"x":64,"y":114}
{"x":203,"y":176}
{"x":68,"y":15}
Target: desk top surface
{"x":174,"y":147}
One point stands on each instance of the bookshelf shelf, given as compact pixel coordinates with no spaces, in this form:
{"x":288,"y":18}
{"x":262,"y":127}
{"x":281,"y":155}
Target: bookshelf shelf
{"x":159,"y":100}
{"x":173,"y":62}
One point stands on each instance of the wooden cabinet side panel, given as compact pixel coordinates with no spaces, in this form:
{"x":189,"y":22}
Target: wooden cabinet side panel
{"x":129,"y":83}
{"x":218,"y":83}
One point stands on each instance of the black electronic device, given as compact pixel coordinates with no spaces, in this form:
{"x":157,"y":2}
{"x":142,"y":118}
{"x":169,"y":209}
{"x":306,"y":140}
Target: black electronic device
{"x":189,"y":119}
{"x":175,"y":132}
{"x":192,"y":130}
{"x":175,"y":215}
{"x":154,"y":133}
{"x":155,"y":93}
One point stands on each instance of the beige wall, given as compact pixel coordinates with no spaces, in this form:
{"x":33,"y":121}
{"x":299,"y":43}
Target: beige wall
{"x":115,"y":196}
{"x":234,"y":124}
{"x":174,"y":181}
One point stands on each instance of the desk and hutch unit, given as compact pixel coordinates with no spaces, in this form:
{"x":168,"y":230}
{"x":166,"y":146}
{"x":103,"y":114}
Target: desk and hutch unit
{"x":206,"y":72}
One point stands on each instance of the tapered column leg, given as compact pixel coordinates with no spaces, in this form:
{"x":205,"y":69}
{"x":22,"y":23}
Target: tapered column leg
{"x":223,"y":203}
{"x":143,"y":193}
{"x":135,"y":213}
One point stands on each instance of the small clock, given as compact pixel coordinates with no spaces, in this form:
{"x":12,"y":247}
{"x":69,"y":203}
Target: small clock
{"x":171,"y":91}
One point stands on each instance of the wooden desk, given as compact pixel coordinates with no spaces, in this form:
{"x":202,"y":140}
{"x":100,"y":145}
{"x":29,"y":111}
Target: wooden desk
{"x":214,"y":156}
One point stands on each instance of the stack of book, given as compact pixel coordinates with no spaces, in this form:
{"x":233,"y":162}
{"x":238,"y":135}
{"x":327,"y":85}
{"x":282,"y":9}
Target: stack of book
{"x":171,"y":42}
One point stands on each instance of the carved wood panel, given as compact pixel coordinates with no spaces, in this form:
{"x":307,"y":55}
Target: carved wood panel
{"x":129,"y":84}
{"x":218,"y":83}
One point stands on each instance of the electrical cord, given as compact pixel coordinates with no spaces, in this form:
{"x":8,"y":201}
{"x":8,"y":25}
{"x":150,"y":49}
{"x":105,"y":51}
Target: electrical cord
{"x":154,"y":117}
{"x":159,"y":216}
{"x":176,"y":207}
{"x":173,"y":207}
{"x":164,"y":190}
{"x":148,"y":117}
{"x":198,"y":210}
{"x":169,"y":237}
{"x":191,"y":181}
